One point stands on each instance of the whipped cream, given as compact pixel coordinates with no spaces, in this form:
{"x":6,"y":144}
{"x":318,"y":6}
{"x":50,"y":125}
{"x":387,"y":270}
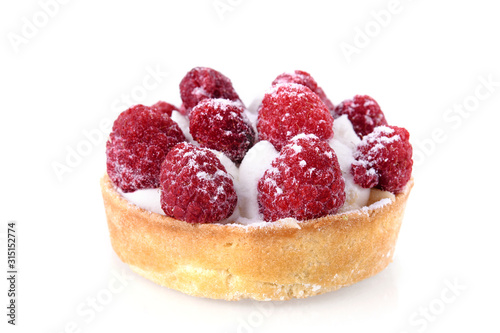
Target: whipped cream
{"x":344,"y":143}
{"x":257,"y":160}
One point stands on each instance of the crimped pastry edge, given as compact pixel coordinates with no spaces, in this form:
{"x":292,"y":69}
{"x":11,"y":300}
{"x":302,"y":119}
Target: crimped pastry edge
{"x":278,"y":261}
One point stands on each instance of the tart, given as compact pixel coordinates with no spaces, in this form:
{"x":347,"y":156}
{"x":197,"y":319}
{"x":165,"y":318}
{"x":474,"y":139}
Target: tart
{"x":286,"y":254}
{"x":279,"y":261}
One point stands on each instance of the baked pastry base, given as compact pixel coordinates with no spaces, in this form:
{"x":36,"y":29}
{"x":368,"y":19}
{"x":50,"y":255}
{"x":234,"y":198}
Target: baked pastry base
{"x":278,"y":261}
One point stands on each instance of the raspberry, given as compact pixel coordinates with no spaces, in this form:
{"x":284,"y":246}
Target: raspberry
{"x":363,"y":112}
{"x":140,"y":140}
{"x":304,"y":181}
{"x":384,"y":159}
{"x":165,"y":107}
{"x":289,"y":109}
{"x":220,"y":124}
{"x":305,"y":79}
{"x":195,"y":186}
{"x":201,"y":83}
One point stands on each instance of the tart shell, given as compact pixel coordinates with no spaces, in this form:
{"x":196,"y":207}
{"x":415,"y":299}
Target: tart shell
{"x":273,"y":261}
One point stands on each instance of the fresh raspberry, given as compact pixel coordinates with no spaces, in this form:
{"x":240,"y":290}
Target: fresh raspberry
{"x":289,"y":109}
{"x":304,"y":181}
{"x":140,"y":140}
{"x":220,"y":124}
{"x":195,"y":186}
{"x":305,"y":79}
{"x":363,"y":112}
{"x":165,"y":107}
{"x":384,"y":159}
{"x":201,"y":83}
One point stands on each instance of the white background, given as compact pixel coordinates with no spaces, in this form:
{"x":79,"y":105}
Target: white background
{"x":73,"y":70}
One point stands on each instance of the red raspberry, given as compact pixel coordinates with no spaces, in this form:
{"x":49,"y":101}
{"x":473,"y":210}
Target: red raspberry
{"x":220,"y":124}
{"x":305,"y":79}
{"x":201,"y":83}
{"x":289,"y":109}
{"x":140,"y":140}
{"x":165,"y":107}
{"x":384,"y":159}
{"x":195,"y":186}
{"x":363,"y":112}
{"x":304,"y":181}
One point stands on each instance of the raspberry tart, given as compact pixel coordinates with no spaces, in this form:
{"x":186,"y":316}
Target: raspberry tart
{"x":296,"y":199}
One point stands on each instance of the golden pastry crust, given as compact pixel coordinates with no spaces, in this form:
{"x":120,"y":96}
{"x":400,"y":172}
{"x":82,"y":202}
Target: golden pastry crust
{"x":281,"y":260}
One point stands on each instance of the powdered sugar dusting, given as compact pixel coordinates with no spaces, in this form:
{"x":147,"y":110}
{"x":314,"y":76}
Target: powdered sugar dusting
{"x":377,"y":140}
{"x":223,"y":103}
{"x":381,"y":130}
{"x":368,"y":103}
{"x":288,"y":89}
{"x":200,"y":92}
{"x":381,"y":203}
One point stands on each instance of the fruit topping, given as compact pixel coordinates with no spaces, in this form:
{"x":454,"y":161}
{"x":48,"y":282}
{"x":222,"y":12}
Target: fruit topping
{"x":220,"y":124}
{"x":363,"y":112}
{"x":384,"y":159}
{"x":289,"y":109}
{"x":201,"y":83}
{"x":305,"y":79}
{"x":195,"y":186}
{"x":140,"y":139}
{"x":304,"y":181}
{"x":165,"y":107}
